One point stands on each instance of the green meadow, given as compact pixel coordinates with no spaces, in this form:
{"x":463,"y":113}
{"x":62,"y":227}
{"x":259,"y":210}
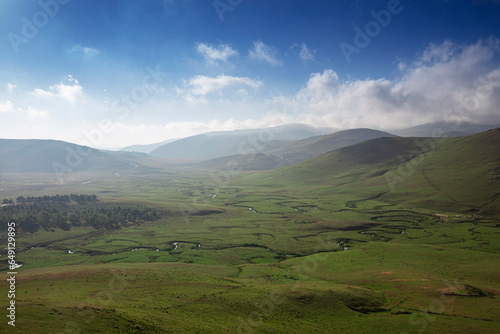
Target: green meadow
{"x":323,"y":246}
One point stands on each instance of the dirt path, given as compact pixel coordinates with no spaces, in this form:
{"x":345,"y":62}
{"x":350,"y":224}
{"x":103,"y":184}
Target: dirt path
{"x":437,"y":188}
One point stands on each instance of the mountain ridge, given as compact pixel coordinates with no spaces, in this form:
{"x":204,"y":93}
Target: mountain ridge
{"x":222,"y":143}
{"x":281,"y":153}
{"x":440,"y":172}
{"x":56,"y":156}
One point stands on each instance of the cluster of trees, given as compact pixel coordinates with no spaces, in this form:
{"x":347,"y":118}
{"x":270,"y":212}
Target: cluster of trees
{"x":80,"y":210}
{"x":80,"y":199}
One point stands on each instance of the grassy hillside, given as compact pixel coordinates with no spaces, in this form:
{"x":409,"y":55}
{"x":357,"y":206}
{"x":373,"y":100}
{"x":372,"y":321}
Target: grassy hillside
{"x":252,"y":162}
{"x":462,"y":173}
{"x":449,"y":129}
{"x":323,"y":246}
{"x":218,"y":144}
{"x":147,"y":148}
{"x":49,"y":156}
{"x":279,"y":153}
{"x":343,"y":165}
{"x":311,"y":147}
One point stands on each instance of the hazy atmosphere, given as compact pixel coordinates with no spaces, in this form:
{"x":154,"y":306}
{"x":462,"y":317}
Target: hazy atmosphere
{"x":250,"y":166}
{"x":142,"y":72}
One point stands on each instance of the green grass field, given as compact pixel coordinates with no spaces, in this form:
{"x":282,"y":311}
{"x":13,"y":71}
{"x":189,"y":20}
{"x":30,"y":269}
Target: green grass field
{"x":323,"y":246}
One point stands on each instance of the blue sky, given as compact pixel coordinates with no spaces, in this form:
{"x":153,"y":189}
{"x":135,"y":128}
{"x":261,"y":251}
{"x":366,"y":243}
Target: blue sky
{"x":113,"y":73}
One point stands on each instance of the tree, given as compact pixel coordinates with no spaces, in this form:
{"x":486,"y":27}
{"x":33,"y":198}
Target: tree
{"x":74,"y":218}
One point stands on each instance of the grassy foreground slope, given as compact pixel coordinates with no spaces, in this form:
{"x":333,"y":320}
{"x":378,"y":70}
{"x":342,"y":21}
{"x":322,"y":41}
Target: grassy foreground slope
{"x":323,"y":246}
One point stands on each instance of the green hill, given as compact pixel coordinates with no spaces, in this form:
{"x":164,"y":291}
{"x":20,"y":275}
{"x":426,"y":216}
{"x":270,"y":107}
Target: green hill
{"x":223,"y":143}
{"x":449,"y":129}
{"x":279,"y":153}
{"x":344,"y":163}
{"x":462,"y":173}
{"x":311,"y":147}
{"x":146,"y":148}
{"x":255,"y":162}
{"x":384,"y":236}
{"x":49,"y":156}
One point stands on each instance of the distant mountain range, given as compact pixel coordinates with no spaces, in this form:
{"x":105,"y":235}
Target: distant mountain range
{"x":257,"y":149}
{"x":294,"y":142}
{"x":218,"y":144}
{"x":146,"y":148}
{"x":53,"y":156}
{"x":282,"y":153}
{"x":446,"y":129}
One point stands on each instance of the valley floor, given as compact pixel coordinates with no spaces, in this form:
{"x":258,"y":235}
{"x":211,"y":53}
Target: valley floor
{"x":242,"y":257}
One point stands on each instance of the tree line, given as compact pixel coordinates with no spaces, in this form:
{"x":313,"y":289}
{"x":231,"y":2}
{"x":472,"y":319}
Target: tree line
{"x":80,"y":199}
{"x":64,"y":212}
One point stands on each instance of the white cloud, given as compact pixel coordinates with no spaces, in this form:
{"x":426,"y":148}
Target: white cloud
{"x":202,"y":85}
{"x":437,"y":53}
{"x":34,"y":113}
{"x":83,"y":50}
{"x":263,"y":52}
{"x":10,"y":88}
{"x":446,"y":79}
{"x":242,"y":92}
{"x":6,"y":107}
{"x":69,"y":92}
{"x":213,"y":54}
{"x":31,"y":112}
{"x":304,"y":53}
{"x":464,"y":79}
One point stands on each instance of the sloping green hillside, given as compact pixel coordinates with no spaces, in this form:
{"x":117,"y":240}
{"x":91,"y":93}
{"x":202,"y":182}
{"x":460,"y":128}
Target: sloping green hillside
{"x":53,"y":156}
{"x":308,"y":148}
{"x":461,"y":172}
{"x":393,"y":235}
{"x":428,"y":172}
{"x":218,"y":144}
{"x":347,"y":164}
{"x":257,"y":161}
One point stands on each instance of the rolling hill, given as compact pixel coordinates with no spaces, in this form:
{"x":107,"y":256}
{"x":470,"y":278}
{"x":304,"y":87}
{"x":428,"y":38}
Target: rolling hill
{"x":346,"y":163}
{"x":282,"y":153}
{"x":219,"y":144}
{"x":49,"y":156}
{"x":259,"y":161}
{"x":448,"y":129}
{"x":308,"y":148}
{"x":146,"y":148}
{"x":462,"y":173}
{"x":377,"y":231}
